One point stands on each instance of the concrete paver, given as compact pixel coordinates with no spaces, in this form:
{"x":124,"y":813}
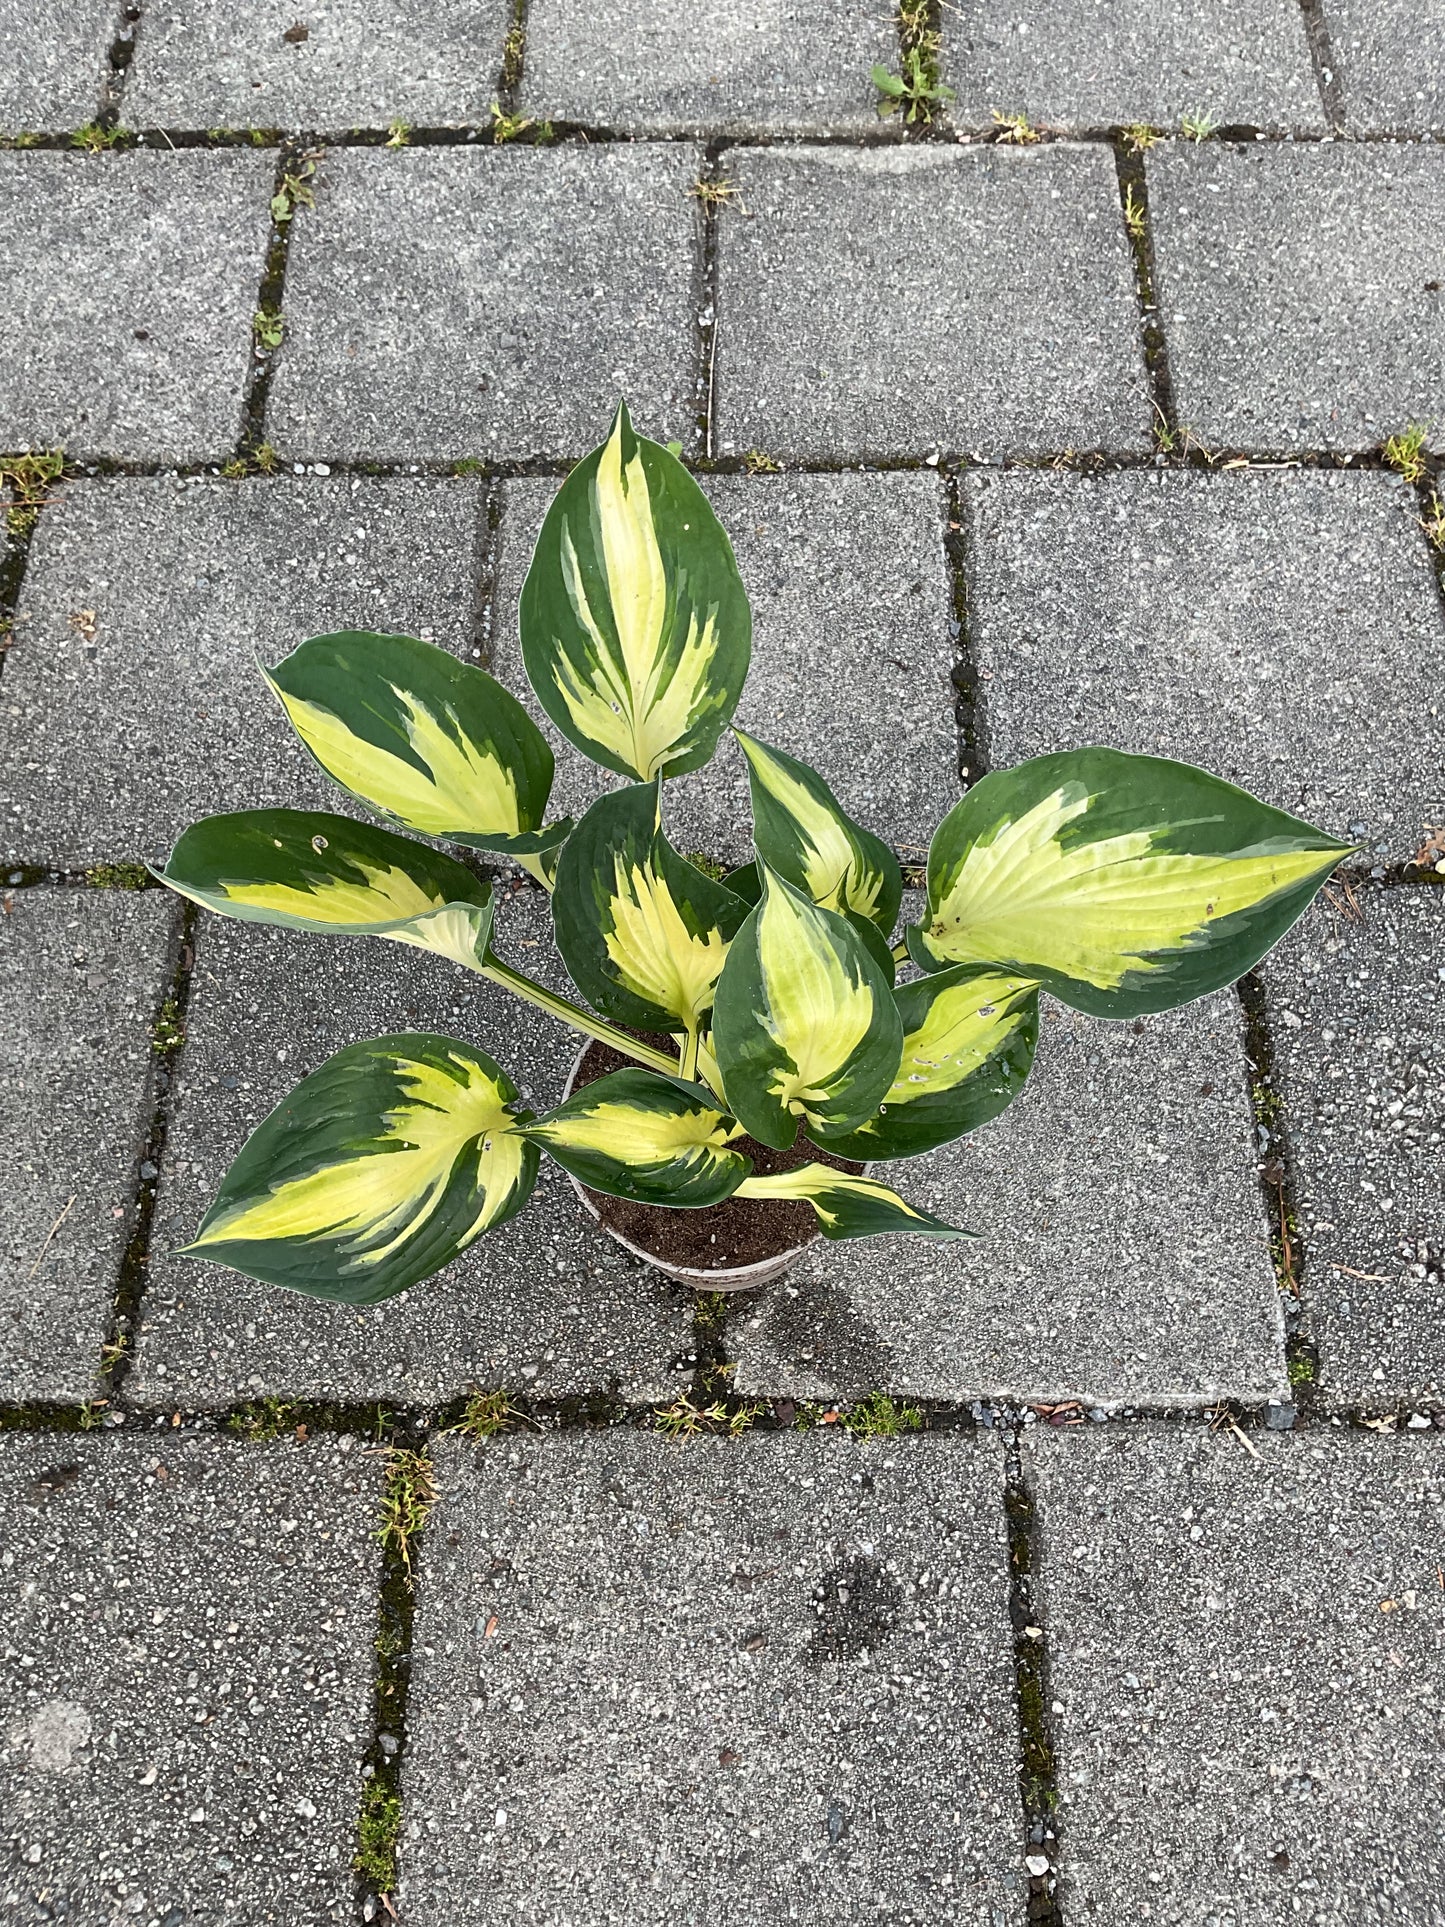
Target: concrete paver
{"x":132,"y":694}
{"x":766,"y":1680}
{"x":489,"y":301}
{"x":1246,"y":1653}
{"x":1299,"y":290}
{"x":1123,"y":1259}
{"x":852,"y":651}
{"x":1107,"y":63}
{"x":1280,"y":629}
{"x":1390,"y":56}
{"x":1357,"y":997}
{"x":55,"y":61}
{"x":431,"y":63}
{"x":899,"y":300}
{"x":82,"y":975}
{"x":671,"y":66}
{"x":129,"y":281}
{"x":546,"y":1305}
{"x":187,"y":1664}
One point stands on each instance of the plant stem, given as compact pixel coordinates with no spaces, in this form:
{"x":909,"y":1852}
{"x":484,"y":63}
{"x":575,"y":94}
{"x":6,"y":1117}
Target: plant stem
{"x":689,"y":1053}
{"x":575,"y":1016}
{"x":900,"y":953}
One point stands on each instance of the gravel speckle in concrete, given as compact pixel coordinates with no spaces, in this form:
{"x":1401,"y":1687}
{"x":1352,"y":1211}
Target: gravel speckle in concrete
{"x":82,"y":973}
{"x":764,"y":1680}
{"x":1246,"y":1654}
{"x":186,"y":1665}
{"x":55,"y":64}
{"x":1390,"y":56}
{"x":1298,"y":288}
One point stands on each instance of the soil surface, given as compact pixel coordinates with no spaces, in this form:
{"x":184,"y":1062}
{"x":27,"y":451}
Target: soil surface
{"x":740,"y":1231}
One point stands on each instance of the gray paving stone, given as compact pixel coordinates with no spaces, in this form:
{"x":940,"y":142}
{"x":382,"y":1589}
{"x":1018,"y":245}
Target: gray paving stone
{"x":1108,"y":63}
{"x":895,"y":300}
{"x":753,"y":1681}
{"x":664,"y":66}
{"x":852,"y":650}
{"x":56,"y":61}
{"x":1246,"y":1655}
{"x":118,"y":741}
{"x":1280,"y":629}
{"x":546,"y":1305}
{"x":1124,"y":1255}
{"x":129,"y":281}
{"x":82,"y":975}
{"x":431,"y":63}
{"x":1390,"y":56}
{"x":1358,"y":1015}
{"x":187,"y":1660}
{"x":489,"y":301}
{"x":1299,"y":289}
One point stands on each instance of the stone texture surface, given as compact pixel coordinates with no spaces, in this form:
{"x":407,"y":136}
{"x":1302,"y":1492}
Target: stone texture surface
{"x":670,"y":66}
{"x":82,"y":975}
{"x":1299,"y":290}
{"x":547,"y":1306}
{"x":1123,"y":1258}
{"x":1390,"y":60}
{"x":55,"y":65}
{"x":1282,"y":630}
{"x":187,"y":1661}
{"x":895,"y":300}
{"x":1357,"y":1000}
{"x":1246,"y":1653}
{"x":757,"y":1681}
{"x":428,"y":62}
{"x":129,"y":281}
{"x":852,"y":651}
{"x":1104,"y":63}
{"x":489,"y":301}
{"x":121,"y":738}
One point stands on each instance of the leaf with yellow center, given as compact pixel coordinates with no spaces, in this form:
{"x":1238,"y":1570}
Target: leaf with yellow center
{"x":635,"y":1134}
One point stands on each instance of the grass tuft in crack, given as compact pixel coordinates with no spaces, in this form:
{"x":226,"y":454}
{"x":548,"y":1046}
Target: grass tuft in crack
{"x":27,"y":479}
{"x":1198,"y":127}
{"x":378,"y":1834}
{"x":265,"y":1418}
{"x":1015,"y":130}
{"x":485,"y":1414}
{"x":877,"y":1417}
{"x":407,"y":1499}
{"x":916,"y":90}
{"x":1408,"y":452}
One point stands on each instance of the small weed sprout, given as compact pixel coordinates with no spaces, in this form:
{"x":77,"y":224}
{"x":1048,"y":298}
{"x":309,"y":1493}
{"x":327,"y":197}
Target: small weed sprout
{"x":1198,"y":127}
{"x":398,"y":133}
{"x":510,"y":127}
{"x":915,"y":92}
{"x":265,"y":459}
{"x":28,"y":478}
{"x":1140,"y":137}
{"x":95,"y":139}
{"x":236,"y":469}
{"x":685,"y":1420}
{"x":378,"y":1833}
{"x":264,"y":1418}
{"x":1406,"y":452}
{"x":1133,"y":213}
{"x":877,"y":1417}
{"x":758,"y":462}
{"x":269,"y":328}
{"x":714,"y":193}
{"x":1433,"y":523}
{"x":405,"y":1503}
{"x":168,"y":1031}
{"x":118,"y":876}
{"x":1301,"y":1372}
{"x":485,"y":1414}
{"x":295,"y":191}
{"x":1014,"y":130}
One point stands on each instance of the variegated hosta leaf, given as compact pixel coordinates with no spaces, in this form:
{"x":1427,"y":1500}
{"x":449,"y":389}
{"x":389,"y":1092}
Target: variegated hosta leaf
{"x":968,"y":1044}
{"x":641,"y":930}
{"x":804,"y":1024}
{"x":1121,"y":883}
{"x":312,"y":871}
{"x":636,"y":1135}
{"x":803,"y":834}
{"x":635,"y":627}
{"x":848,"y":1206}
{"x":375,"y":1172}
{"x":432,"y":743}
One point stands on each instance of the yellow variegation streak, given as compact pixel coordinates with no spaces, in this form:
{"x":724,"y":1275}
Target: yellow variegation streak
{"x":963,"y":1027}
{"x":641,"y":708}
{"x":452,"y":932}
{"x":653,"y":951}
{"x":814,"y":1011}
{"x":815,"y":1181}
{"x":834,"y":871}
{"x":1094,"y":912}
{"x":634,"y":1135}
{"x":464,"y":787}
{"x":374,"y":1202}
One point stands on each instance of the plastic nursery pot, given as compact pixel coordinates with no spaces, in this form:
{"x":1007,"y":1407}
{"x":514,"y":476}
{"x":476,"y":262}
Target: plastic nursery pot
{"x":702,"y":1248}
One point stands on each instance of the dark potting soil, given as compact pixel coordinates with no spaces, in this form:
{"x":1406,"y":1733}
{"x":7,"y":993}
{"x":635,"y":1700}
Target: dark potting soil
{"x":739,"y":1231}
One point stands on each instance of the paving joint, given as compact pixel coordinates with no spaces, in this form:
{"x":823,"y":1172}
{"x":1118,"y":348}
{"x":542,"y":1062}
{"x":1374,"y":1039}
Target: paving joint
{"x":1326,"y":67}
{"x":973,"y":756}
{"x":119,"y":56}
{"x":1138,"y":232}
{"x":270,"y":306}
{"x":711,"y":190}
{"x":514,"y":57}
{"x":1038,"y":1752}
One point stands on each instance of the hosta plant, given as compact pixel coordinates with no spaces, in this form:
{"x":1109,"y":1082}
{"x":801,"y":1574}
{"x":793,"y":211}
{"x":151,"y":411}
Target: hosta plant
{"x":757,"y":1013}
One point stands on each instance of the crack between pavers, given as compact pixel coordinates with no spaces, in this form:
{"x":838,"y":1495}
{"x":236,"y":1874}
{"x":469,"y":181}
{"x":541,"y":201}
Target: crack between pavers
{"x":1038,"y":1751}
{"x":711,"y":182}
{"x":119,"y":55}
{"x":1326,"y":67}
{"x":1139,"y":237}
{"x":270,"y":307}
{"x":972,"y":734}
{"x":514,"y":57}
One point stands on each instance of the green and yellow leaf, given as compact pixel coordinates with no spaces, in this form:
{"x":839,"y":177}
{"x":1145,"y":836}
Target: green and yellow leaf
{"x":309,"y":870}
{"x":805,"y":1028}
{"x":375,"y":1172}
{"x":635,"y":628}
{"x":642,"y":931}
{"x":1122,"y":884}
{"x":848,"y":1206}
{"x":431,"y":743}
{"x":801,"y":832}
{"x":968,"y":1044}
{"x":654,"y":1139}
